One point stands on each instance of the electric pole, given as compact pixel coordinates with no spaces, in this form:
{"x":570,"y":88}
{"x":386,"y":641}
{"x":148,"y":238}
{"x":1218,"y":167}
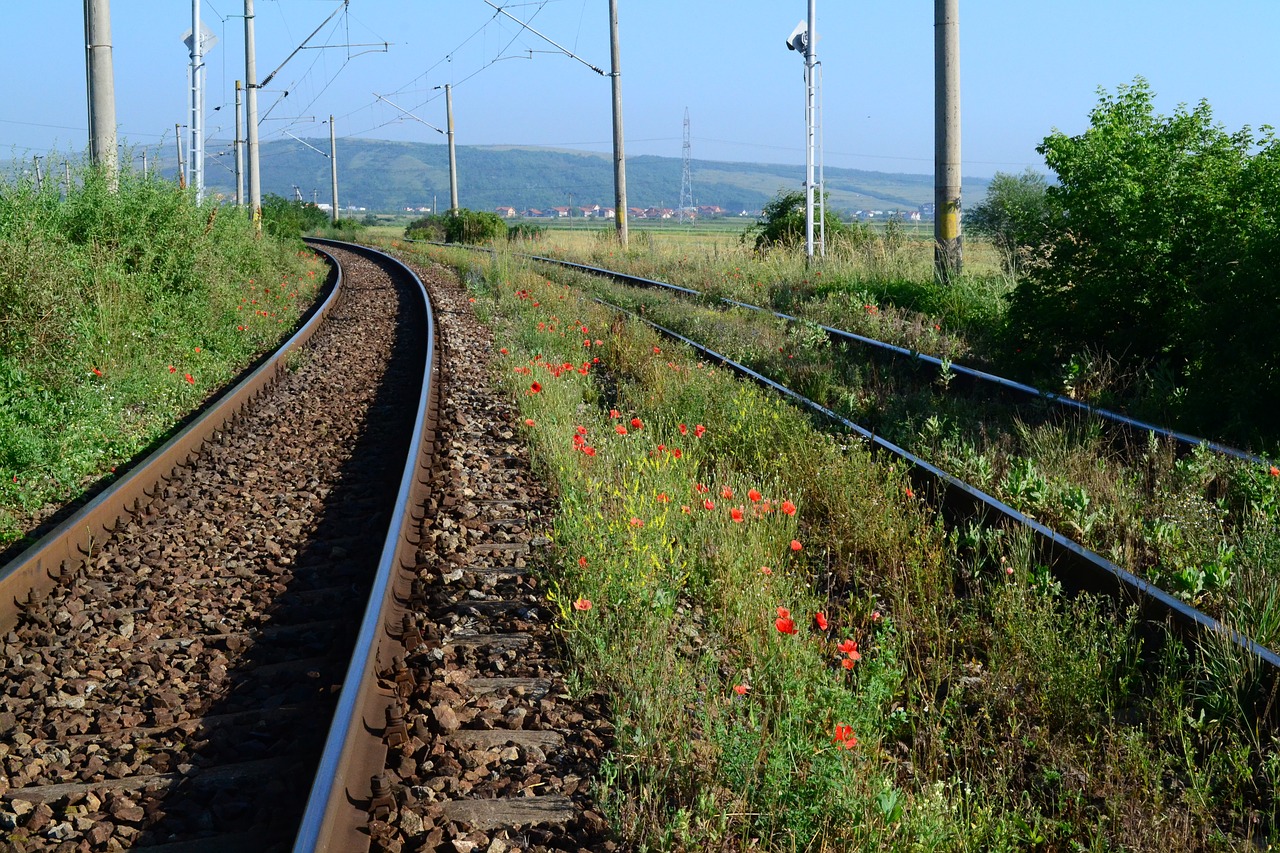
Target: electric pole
{"x":948,"y":254}
{"x":810,"y":55}
{"x":39,"y":177}
{"x":251,"y":115}
{"x":197,"y":103}
{"x":238,"y":145}
{"x":177,"y":141}
{"x":333,"y":167}
{"x":101,"y":85}
{"x":686,"y":169}
{"x":619,"y":158}
{"x":453,"y":157}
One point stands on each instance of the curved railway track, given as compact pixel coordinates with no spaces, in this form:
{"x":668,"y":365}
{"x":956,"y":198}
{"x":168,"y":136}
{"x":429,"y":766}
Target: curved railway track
{"x":175,"y":652}
{"x":1077,"y":567}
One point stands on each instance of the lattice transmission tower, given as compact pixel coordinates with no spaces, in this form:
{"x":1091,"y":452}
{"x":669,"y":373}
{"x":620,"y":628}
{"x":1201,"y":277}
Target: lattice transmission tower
{"x":686,"y":170}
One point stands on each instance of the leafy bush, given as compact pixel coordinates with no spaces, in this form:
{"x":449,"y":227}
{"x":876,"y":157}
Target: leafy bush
{"x":1161,"y":248}
{"x":284,"y":218}
{"x":473,"y":226}
{"x":526,"y":231}
{"x":1014,"y":215}
{"x":430,"y":228}
{"x":782,"y":224}
{"x":458,"y":226}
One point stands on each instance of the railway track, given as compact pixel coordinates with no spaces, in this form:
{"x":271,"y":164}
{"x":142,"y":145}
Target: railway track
{"x":1077,"y":567}
{"x":308,"y":621}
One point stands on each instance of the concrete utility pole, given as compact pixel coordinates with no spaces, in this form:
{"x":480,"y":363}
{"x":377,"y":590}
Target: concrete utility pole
{"x":453,"y":157}
{"x":251,"y":114}
{"x":619,"y":157}
{"x":333,"y":167}
{"x":948,"y":249}
{"x":100,"y":78}
{"x":177,"y":141}
{"x":238,"y":145}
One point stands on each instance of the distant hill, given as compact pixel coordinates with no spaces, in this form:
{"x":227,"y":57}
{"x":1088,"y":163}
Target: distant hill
{"x":387,"y":176}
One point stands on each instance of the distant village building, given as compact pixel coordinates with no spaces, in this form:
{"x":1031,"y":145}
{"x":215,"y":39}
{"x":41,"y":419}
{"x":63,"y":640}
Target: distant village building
{"x":505,"y":212}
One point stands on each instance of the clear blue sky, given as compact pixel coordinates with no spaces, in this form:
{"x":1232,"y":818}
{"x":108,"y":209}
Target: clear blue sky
{"x":1027,"y":67}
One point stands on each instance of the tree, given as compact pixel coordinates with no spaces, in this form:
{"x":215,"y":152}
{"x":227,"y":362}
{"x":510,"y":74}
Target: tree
{"x":1015,"y":215}
{"x":1161,"y":249}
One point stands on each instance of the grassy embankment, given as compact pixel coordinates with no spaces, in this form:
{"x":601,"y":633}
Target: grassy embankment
{"x":989,"y":711}
{"x":119,"y":313}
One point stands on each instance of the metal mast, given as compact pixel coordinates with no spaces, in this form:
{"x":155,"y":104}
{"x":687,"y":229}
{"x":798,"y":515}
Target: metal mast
{"x":810,"y":56}
{"x":686,"y":169}
{"x":196,"y":148}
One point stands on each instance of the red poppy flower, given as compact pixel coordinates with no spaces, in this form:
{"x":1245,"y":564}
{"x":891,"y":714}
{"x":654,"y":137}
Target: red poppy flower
{"x":726,"y":493}
{"x":708,"y":504}
{"x":875,"y":615}
{"x":788,"y":507}
{"x":662,"y":497}
{"x":173,"y":369}
{"x":684,"y":430}
{"x":620,"y":429}
{"x":590,"y":451}
{"x":907,"y":491}
{"x":784,"y":613}
{"x":581,"y":430}
{"x":582,"y":561}
{"x":754,"y":495}
{"x":582,"y":604}
{"x":740,"y":689}
{"x":847,"y":663}
{"x":636,"y":423}
{"x":528,"y":421}
{"x":676,"y":452}
{"x":699,"y":430}
{"x":795,"y":545}
{"x":1275,"y":472}
{"x":736,"y":515}
{"x":535,"y":387}
{"x":656,"y":350}
{"x":845,"y":737}
{"x":635,"y":522}
{"x":684,"y":508}
{"x":190,"y":379}
{"x":97,"y":372}
{"x":614,"y":413}
{"x":820,"y":619}
{"x":765,"y":570}
{"x":847,"y":646}
{"x":700,"y":488}
{"x":784,"y":625}
{"x":503,"y":350}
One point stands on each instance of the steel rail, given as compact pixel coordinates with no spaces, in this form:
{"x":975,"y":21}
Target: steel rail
{"x":972,"y":373}
{"x":34,"y":572}
{"x":1075,"y":566}
{"x":336,"y":813}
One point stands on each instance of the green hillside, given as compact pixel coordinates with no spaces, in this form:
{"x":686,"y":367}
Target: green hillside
{"x":387,"y":176}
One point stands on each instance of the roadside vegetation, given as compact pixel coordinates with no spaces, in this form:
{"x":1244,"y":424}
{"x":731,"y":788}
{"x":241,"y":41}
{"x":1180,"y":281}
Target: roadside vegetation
{"x":799,"y":657}
{"x":119,"y":313}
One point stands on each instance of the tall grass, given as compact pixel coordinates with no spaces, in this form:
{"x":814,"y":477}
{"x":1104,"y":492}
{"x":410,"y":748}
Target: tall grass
{"x":119,"y":312}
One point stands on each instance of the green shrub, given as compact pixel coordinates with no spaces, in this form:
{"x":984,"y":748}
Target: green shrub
{"x":1161,"y":249}
{"x":284,"y":218}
